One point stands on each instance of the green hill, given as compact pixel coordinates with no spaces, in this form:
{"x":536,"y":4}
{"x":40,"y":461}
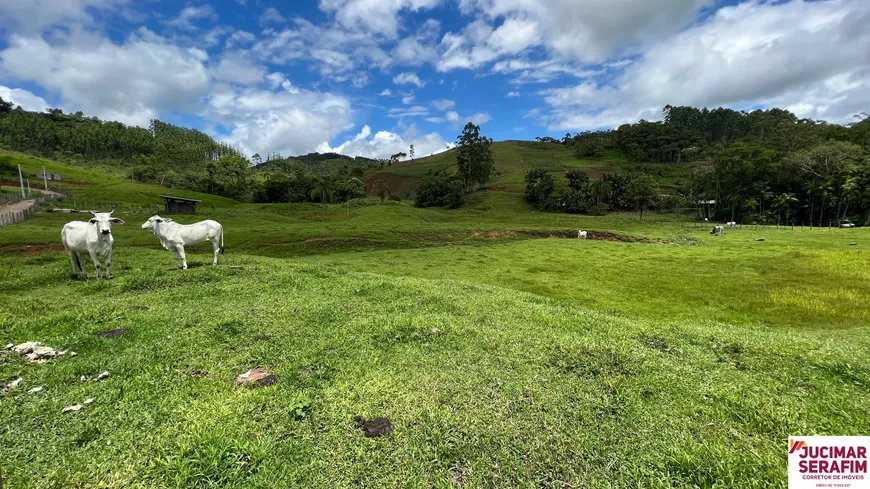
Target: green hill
{"x":95,"y":186}
{"x":514,"y":158}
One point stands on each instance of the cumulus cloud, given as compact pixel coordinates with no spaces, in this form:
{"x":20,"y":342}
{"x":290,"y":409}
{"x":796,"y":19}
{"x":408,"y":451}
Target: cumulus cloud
{"x":238,"y":67}
{"x":337,"y":53}
{"x":586,"y":30}
{"x":288,"y":120}
{"x":386,"y":93}
{"x":27,"y":100}
{"x":188,"y":16}
{"x":384,"y":144}
{"x":130,"y":82}
{"x":29,"y":16}
{"x":512,"y":94}
{"x":376,"y":16}
{"x":443,"y":104}
{"x":408,"y":78}
{"x":811,"y":57}
{"x":271,"y":16}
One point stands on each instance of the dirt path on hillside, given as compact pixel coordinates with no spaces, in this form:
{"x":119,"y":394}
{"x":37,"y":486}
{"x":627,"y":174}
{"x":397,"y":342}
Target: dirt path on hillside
{"x":9,"y":210}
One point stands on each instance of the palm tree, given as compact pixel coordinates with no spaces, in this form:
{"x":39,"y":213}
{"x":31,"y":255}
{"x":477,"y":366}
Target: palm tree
{"x":323,"y":188}
{"x":784,"y":202}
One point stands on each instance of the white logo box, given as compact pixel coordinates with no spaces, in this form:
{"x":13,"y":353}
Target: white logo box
{"x":841,"y":462}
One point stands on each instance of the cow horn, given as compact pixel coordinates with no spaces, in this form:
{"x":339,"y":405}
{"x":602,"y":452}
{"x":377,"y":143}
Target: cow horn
{"x":112,"y":212}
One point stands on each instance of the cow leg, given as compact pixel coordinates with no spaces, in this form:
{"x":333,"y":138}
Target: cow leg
{"x":217,"y":249}
{"x":177,"y":258}
{"x":74,"y":260}
{"x":109,"y":264}
{"x":183,"y":257}
{"x":96,"y":262}
{"x":83,"y":264}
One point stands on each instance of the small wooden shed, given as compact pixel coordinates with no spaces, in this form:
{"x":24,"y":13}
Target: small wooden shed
{"x":180,"y":205}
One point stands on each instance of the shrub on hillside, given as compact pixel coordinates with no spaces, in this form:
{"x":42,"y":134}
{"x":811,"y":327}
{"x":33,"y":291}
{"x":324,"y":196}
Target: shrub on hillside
{"x":440,"y":191}
{"x":350,"y":189}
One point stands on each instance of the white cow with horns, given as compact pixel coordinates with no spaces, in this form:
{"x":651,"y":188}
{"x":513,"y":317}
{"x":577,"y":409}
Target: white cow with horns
{"x":94,"y":238}
{"x":174,"y":236}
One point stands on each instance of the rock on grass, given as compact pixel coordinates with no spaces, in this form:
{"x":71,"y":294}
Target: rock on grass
{"x":256,"y":377}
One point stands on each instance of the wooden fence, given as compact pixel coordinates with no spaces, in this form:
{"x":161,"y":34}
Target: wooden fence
{"x":7,"y":218}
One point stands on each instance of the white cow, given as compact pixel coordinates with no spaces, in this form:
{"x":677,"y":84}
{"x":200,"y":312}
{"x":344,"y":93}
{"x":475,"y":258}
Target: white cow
{"x":174,"y":236}
{"x":94,"y":238}
{"x":730,"y":224}
{"x":582,"y":234}
{"x":717,"y":231}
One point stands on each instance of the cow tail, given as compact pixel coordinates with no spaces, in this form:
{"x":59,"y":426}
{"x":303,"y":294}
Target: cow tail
{"x":222,"y":240}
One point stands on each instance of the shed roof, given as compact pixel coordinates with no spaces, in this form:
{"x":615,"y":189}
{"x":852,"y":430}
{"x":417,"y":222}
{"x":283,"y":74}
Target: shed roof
{"x":182,"y":199}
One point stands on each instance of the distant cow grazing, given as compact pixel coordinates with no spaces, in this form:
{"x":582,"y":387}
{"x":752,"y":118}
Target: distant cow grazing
{"x":582,"y":234}
{"x":731,"y":224}
{"x":94,"y":238}
{"x":174,"y":236}
{"x":717,"y":231}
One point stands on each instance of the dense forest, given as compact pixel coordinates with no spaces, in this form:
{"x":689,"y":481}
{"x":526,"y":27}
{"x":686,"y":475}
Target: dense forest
{"x":177,"y":157}
{"x":763,"y":166}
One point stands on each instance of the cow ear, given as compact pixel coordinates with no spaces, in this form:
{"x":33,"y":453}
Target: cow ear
{"x":93,"y":221}
{"x":117,"y":221}
{"x":158,"y":220}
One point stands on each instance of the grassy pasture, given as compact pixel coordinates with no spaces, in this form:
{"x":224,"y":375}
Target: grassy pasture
{"x":502,"y":357}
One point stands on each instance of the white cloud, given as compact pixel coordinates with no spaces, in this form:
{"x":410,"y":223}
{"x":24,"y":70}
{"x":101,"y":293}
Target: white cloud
{"x":584,"y":30}
{"x":30,"y":16}
{"x":813,"y":57}
{"x":338,"y":54}
{"x":408,"y":78}
{"x":415,"y":111}
{"x":408,"y":99}
{"x":376,"y":16}
{"x":386,"y":93}
{"x":452,"y":116}
{"x":130,"y":82}
{"x":186,"y":18}
{"x":240,"y":38}
{"x":271,"y":16}
{"x":480,"y":118}
{"x":24,"y":98}
{"x":384,"y":144}
{"x":237,"y":67}
{"x":519,"y":129}
{"x":443,"y":104}
{"x":412,"y":52}
{"x":288,"y":120}
{"x":543,"y":71}
{"x":512,"y":94}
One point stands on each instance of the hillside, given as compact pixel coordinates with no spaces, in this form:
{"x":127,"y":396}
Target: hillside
{"x":514,"y":158}
{"x":95,"y":187}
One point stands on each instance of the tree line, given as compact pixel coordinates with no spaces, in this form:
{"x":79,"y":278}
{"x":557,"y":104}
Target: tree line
{"x":177,"y":157}
{"x":766,"y":166}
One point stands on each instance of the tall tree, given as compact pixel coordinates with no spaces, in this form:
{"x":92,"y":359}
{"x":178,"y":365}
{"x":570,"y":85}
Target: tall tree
{"x":474,"y":160}
{"x":411,"y":152}
{"x":643,"y":192}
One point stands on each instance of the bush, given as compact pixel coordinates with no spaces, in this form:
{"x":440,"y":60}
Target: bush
{"x":350,"y":189}
{"x":440,"y":191}
{"x":381,"y":190}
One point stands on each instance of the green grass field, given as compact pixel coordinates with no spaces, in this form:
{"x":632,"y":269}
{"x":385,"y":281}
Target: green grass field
{"x":505,"y":353}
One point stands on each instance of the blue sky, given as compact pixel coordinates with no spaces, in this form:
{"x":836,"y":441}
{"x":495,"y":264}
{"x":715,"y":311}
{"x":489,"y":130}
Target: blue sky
{"x":371,"y":77}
